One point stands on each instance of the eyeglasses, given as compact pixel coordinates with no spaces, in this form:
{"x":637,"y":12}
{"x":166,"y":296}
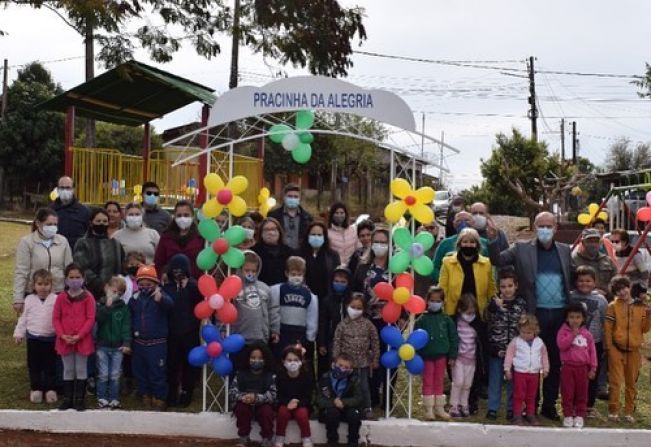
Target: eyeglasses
{"x":152,"y":193}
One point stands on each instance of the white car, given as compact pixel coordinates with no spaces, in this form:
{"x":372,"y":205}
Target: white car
{"x":441,"y":202}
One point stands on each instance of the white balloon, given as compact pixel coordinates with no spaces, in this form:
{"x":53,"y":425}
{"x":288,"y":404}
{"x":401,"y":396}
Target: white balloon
{"x":290,"y":141}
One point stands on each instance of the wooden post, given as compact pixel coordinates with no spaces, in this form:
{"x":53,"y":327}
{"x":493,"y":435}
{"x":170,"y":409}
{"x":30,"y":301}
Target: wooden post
{"x":146,"y":148}
{"x":203,"y":159}
{"x":69,"y":140}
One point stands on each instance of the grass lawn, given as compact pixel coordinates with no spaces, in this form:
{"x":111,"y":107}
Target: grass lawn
{"x":14,"y":384}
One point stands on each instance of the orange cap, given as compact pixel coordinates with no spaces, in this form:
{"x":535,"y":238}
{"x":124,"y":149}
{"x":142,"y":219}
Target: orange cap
{"x":147,"y":272}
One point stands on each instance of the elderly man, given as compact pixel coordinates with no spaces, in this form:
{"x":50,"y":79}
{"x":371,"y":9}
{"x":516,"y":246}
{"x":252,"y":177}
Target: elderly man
{"x":292,"y":216}
{"x":544,"y":268}
{"x":480,"y":218}
{"x":73,"y":216}
{"x":589,"y":254}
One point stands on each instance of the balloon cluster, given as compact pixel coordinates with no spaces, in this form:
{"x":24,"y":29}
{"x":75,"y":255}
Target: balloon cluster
{"x":644,"y":213}
{"x":218,"y":299}
{"x":417,"y":202}
{"x":403,"y":351}
{"x":224,"y":196}
{"x":265,"y":201}
{"x":220,"y":244}
{"x":215,"y":350}
{"x":399,"y":297}
{"x":412,"y":252}
{"x":297,"y":141}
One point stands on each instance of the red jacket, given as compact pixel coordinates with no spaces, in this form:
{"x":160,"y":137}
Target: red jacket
{"x":74,"y":317}
{"x":168,"y":246}
{"x":576,"y":350}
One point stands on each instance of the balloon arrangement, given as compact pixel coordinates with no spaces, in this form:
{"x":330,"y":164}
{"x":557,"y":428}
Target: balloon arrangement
{"x":224,"y":196}
{"x":54,"y":194}
{"x":592,"y":214}
{"x":137,"y":193}
{"x":221,"y":244}
{"x":297,"y":141}
{"x":265,"y":201}
{"x":215,"y":350}
{"x":218,"y":299}
{"x":403,"y":350}
{"x":412,"y":252}
{"x":399,"y":297}
{"x":191,"y":188}
{"x":417,"y":202}
{"x":644,"y":213}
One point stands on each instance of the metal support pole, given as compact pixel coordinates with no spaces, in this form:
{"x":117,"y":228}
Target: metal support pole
{"x":204,"y":159}
{"x":146,"y":148}
{"x":69,"y":141}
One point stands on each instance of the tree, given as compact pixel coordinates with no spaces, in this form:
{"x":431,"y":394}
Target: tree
{"x":127,"y":139}
{"x":621,"y":157}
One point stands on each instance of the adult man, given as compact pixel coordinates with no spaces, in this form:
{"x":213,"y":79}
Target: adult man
{"x":73,"y":216}
{"x":456,"y":205}
{"x":292,"y":217}
{"x":589,"y":254}
{"x":480,"y":218}
{"x":543,"y":267}
{"x":155,"y":217}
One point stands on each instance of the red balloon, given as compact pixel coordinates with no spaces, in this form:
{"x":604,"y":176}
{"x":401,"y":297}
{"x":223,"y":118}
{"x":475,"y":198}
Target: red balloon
{"x":214,"y":349}
{"x":230,"y":287}
{"x":416,"y":305}
{"x":227,"y":314}
{"x":405,"y":280}
{"x":207,"y":285}
{"x":391,"y":312}
{"x":644,"y":214}
{"x":220,"y":246}
{"x":384,"y":291}
{"x":225,"y":196}
{"x":202,"y":310}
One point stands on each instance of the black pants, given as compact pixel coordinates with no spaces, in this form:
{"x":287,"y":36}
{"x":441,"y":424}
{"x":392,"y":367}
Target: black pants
{"x":42,"y":365}
{"x":378,"y":379}
{"x":179,"y":371}
{"x":550,"y":321}
{"x":594,"y":383}
{"x":334,"y":416}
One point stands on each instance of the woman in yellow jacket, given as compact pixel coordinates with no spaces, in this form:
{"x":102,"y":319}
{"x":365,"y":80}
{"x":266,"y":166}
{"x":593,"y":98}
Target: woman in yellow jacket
{"x":466,"y":271}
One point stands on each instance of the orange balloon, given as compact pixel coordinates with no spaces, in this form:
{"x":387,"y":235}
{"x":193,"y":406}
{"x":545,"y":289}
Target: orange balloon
{"x":405,"y":280}
{"x":230,"y":287}
{"x":202,"y":310}
{"x":644,"y":214}
{"x":207,"y":285}
{"x":228,"y":313}
{"x":416,"y":305}
{"x":384,"y":291}
{"x":391,"y":312}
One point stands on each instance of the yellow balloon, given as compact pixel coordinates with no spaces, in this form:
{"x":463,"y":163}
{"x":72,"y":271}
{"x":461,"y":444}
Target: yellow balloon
{"x":54,"y":195}
{"x":400,"y":188}
{"x":237,"y":206}
{"x":406,"y":352}
{"x":602,"y":215}
{"x":401,"y":295}
{"x":424,"y":194}
{"x":213,"y":183}
{"x":422,"y":213}
{"x":137,"y":198}
{"x":394,"y":211}
{"x":592,"y":209}
{"x":211,"y":208}
{"x":264,"y":195}
{"x":238,"y":184}
{"x":584,"y":219}
{"x":137,"y":189}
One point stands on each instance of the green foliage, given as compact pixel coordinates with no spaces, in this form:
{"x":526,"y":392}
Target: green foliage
{"x":126,"y":139}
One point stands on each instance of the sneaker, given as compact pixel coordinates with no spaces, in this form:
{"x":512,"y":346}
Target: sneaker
{"x":243,"y":441}
{"x":466,"y":412}
{"x":91,"y":388}
{"x":491,"y":415}
{"x":593,"y":413}
{"x":102,"y":403}
{"x":568,"y":422}
{"x":455,"y":412}
{"x":266,"y":442}
{"x":533,"y":420}
{"x":51,"y":397}
{"x":613,"y":417}
{"x":629,"y":419}
{"x":517,"y":420}
{"x":578,"y":422}
{"x":36,"y":397}
{"x":307,"y":442}
{"x":115,"y":404}
{"x":279,"y":441}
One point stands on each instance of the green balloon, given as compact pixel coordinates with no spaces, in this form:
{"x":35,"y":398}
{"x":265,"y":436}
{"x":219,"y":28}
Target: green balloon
{"x":423,"y":265}
{"x":278,"y":132}
{"x":426,"y":239}
{"x":302,"y":153}
{"x":306,"y":137}
{"x":399,"y":262}
{"x":234,"y":258}
{"x":402,"y":238}
{"x":209,"y":230}
{"x":207,"y":259}
{"x":235,"y":235}
{"x":304,"y":119}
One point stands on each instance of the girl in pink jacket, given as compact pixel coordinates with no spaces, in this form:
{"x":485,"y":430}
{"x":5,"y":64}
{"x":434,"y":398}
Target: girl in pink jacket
{"x":578,"y":364}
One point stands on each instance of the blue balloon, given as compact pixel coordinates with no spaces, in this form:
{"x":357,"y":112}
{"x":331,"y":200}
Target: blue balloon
{"x":418,"y":339}
{"x":210,"y":333}
{"x":391,"y":336}
{"x":198,"y":356}
{"x":390,"y":359}
{"x":416,"y":365}
{"x":222,"y":365}
{"x":233,"y":343}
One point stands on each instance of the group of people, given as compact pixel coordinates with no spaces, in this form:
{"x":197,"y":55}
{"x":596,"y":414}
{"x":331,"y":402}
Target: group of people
{"x":110,"y":293}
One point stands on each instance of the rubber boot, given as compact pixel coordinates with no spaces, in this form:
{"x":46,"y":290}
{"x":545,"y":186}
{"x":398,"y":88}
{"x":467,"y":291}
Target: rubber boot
{"x":68,"y":393}
{"x":80,"y":395}
{"x":439,"y":407}
{"x":428,"y":403}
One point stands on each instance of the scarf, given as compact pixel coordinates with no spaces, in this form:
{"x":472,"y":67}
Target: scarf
{"x":468,"y":274}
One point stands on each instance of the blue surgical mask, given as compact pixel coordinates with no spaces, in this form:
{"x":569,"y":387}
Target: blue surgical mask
{"x":249,"y":277}
{"x":150,"y":199}
{"x":292,"y":202}
{"x":256,"y":365}
{"x":434,"y":306}
{"x":339,"y":373}
{"x":463,"y":224}
{"x":339,"y":287}
{"x":146,"y":290}
{"x":315,"y":241}
{"x":545,"y":235}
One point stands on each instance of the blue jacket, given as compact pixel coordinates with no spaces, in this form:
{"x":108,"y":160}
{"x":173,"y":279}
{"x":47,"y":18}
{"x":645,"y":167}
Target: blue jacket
{"x":73,"y":220}
{"x":149,"y":318}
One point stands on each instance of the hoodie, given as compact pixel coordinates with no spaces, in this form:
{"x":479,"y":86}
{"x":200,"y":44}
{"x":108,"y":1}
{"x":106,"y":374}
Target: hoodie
{"x":332,"y":310}
{"x":576,"y":350}
{"x":181,"y":317}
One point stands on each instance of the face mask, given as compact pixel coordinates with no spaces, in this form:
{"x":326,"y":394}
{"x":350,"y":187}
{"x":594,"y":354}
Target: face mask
{"x":456,"y":209}
{"x":65,"y":195}
{"x":74,"y":285}
{"x":112,"y":295}
{"x":468,"y":317}
{"x":49,"y":231}
{"x":100,"y":229}
{"x":463,"y":224}
{"x":380,"y":250}
{"x":545,"y":235}
{"x":354,"y":313}
{"x":249,"y":234}
{"x":256,"y":365}
{"x":315,"y":241}
{"x":183,"y":222}
{"x":249,"y":277}
{"x":434,"y":306}
{"x":338,"y":220}
{"x":134,"y":222}
{"x":146,"y":290}
{"x":150,"y":200}
{"x":270,"y":237}
{"x":292,"y":202}
{"x":179,"y":275}
{"x":468,"y":251}
{"x":133,"y":270}
{"x":591,"y":250}
{"x":479,"y":221}
{"x":339,"y":373}
{"x":295,"y":280}
{"x":339,"y":287}
{"x":293,"y":366}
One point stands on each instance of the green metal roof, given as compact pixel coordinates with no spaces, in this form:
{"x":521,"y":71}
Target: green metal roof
{"x":132,"y":93}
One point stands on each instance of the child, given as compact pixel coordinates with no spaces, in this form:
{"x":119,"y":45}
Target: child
{"x":183,"y":334}
{"x":134,"y":260}
{"x":73,"y":318}
{"x":298,"y":307}
{"x":578,"y":364}
{"x":113,"y":340}
{"x":253,"y":393}
{"x":149,"y":308}
{"x":340,"y":397}
{"x":527,"y":355}
{"x":295,"y":387}
{"x":595,"y":305}
{"x":627,"y":321}
{"x":35,"y":324}
{"x":502,"y":316}
{"x":331,"y":311}
{"x":357,"y":337}
{"x":440,"y":350}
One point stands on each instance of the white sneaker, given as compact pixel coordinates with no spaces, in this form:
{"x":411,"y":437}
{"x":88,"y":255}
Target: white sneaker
{"x":51,"y":397}
{"x":578,"y":422}
{"x":36,"y":397}
{"x":102,"y":403}
{"x":307,"y":442}
{"x":114,"y":404}
{"x":568,"y":422}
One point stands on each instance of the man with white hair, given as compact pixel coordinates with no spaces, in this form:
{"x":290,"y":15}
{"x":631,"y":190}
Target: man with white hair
{"x":480,"y":217}
{"x":73,"y":215}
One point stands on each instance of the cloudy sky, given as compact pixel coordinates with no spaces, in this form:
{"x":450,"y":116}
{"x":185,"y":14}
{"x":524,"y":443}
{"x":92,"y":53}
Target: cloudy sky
{"x":470,"y":105}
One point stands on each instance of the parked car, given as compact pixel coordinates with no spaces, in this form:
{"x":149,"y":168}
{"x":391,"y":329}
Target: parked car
{"x":442,"y":201}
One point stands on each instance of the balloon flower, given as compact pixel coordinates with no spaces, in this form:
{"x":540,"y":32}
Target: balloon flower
{"x":137,"y":193}
{"x":225,"y":196}
{"x":592,"y":214}
{"x":412,"y":252}
{"x":399,"y":297}
{"x":403,"y":351}
{"x":215,"y":350}
{"x":644,"y":214}
{"x":297,"y":141}
{"x":221,"y":244}
{"x":265,"y":201}
{"x":417,"y":202}
{"x":218,"y":299}
{"x":54,"y":194}
{"x":191,"y":188}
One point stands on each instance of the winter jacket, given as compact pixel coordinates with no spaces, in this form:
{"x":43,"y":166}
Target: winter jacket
{"x":319,"y":269}
{"x":481,"y":345}
{"x":171,"y":244}
{"x":181,"y":319}
{"x":290,"y":388}
{"x":502,"y":323}
{"x":576,"y":350}
{"x":625,"y":325}
{"x":73,"y":220}
{"x":596,"y":307}
{"x":604,"y":267}
{"x":305,"y":219}
{"x":100,"y":259}
{"x":443,"y":339}
{"x":526,"y":358}
{"x":157,"y":219}
{"x":149,"y":319}
{"x":113,"y":324}
{"x":74,"y":316}
{"x":36,"y":319}
{"x":451,"y":280}
{"x":263,"y":385}
{"x":32,"y":255}
{"x":331,"y":311}
{"x":343,"y":241}
{"x":274,"y":262}
{"x":446,"y":247}
{"x":143,"y":240}
{"x":298,"y":308}
{"x":351,"y":395}
{"x":358,"y":338}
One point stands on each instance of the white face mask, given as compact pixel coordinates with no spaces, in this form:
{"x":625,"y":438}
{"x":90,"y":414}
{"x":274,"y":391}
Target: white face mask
{"x":184,"y":222}
{"x":295,"y":280}
{"x":134,"y":222}
{"x":380,"y":250}
{"x":293,"y":366}
{"x":249,"y":234}
{"x":354,"y":313}
{"x":468,"y":317}
{"x":65,"y":195}
{"x":479,"y":222}
{"x":49,"y":231}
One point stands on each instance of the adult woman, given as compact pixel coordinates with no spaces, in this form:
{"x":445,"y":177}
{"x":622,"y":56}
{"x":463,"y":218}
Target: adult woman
{"x":273,"y":252}
{"x":135,"y":236}
{"x":98,"y":256}
{"x":182,"y":237}
{"x":364,"y":235}
{"x":43,"y":248}
{"x":637,"y":270}
{"x":249,"y":227}
{"x":115,"y":217}
{"x":341,"y":236}
{"x":320,"y":260}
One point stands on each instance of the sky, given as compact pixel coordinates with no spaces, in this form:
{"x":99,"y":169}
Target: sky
{"x":468,"y":105}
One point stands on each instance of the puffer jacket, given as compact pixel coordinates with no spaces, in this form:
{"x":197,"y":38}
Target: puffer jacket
{"x":344,"y":241}
{"x":358,"y":338}
{"x":503,"y":323}
{"x":100,"y":259}
{"x":74,"y":316}
{"x":113,"y":324}
{"x":625,"y":325}
{"x":443,"y":338}
{"x":149,"y":319}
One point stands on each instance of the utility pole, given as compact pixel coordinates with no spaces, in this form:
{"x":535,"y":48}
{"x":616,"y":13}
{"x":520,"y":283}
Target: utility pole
{"x":533,"y":110}
{"x":562,"y":140}
{"x":235,"y":50}
{"x":574,"y":142}
{"x":5,"y":75}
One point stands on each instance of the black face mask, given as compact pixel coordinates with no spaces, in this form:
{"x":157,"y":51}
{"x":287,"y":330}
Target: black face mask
{"x":468,"y":251}
{"x":133,"y":270}
{"x":100,"y":229}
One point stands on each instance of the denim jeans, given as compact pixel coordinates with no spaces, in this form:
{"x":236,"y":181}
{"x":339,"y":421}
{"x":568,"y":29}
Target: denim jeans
{"x":495,"y":383}
{"x":109,"y":366}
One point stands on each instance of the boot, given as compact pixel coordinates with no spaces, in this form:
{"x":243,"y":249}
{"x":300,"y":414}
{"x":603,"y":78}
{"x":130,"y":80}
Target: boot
{"x":439,"y":407}
{"x":68,"y":393}
{"x":80,"y":395}
{"x":428,"y":403}
{"x":146,"y":402}
{"x":158,"y":405}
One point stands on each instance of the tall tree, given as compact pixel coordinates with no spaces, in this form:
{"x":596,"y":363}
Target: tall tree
{"x":126,"y":139}
{"x":622,"y":157}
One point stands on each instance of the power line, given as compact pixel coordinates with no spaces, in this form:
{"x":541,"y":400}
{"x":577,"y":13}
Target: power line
{"x":65,"y":59}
